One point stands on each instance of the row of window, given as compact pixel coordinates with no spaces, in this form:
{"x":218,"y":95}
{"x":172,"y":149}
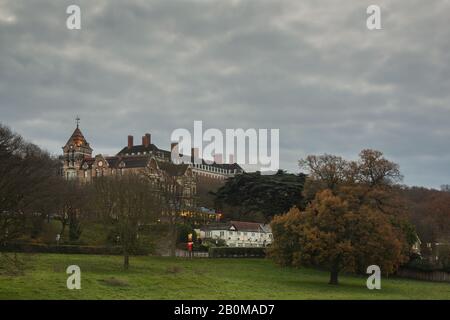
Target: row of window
{"x":243,"y":233}
{"x":246,"y":245}
{"x":238,"y":233}
{"x":159,"y":155}
{"x":211,"y":168}
{"x":247,"y":240}
{"x":100,"y":173}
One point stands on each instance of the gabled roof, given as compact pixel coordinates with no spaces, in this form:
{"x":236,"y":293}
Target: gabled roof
{"x":87,"y":162}
{"x":173,"y":169}
{"x":134,"y":162}
{"x":241,"y":226}
{"x":246,"y":226}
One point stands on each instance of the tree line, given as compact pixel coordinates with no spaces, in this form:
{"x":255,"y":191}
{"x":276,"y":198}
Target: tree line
{"x":33,"y":191}
{"x":343,"y":215}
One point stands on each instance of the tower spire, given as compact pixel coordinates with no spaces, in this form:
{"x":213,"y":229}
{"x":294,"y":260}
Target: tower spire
{"x":77,"y":119}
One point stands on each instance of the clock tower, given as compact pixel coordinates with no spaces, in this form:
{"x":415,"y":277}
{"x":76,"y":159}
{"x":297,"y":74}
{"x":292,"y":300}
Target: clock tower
{"x":75,"y":151}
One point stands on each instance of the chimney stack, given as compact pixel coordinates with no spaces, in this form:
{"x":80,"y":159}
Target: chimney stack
{"x":174,"y":148}
{"x":194,"y":155}
{"x":218,"y":158}
{"x":130,"y":142}
{"x":146,"y":140}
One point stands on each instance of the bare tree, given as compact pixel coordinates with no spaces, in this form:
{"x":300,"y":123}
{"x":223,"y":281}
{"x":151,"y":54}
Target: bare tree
{"x":27,"y":184}
{"x":128,"y":202}
{"x":173,"y":200}
{"x":175,"y":187}
{"x":72,"y":202}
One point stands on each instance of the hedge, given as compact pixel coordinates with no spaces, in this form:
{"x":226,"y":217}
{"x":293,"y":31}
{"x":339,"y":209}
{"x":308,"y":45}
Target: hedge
{"x":68,"y":249}
{"x":236,"y":252}
{"x":425,"y":266}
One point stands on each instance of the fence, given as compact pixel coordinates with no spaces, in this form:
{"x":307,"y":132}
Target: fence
{"x":195,"y":254}
{"x":437,"y":276}
{"x":237,"y":252}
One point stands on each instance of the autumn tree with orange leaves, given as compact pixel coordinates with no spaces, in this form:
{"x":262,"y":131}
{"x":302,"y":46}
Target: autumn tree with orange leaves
{"x":355,"y":217}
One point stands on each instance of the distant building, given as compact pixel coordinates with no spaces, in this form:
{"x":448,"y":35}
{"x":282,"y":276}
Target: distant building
{"x":78,"y":162}
{"x":201,"y":216}
{"x":435,"y":251}
{"x":239,"y":233}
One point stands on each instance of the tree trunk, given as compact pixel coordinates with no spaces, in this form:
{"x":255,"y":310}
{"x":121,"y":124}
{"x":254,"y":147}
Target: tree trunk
{"x":334,"y":276}
{"x":126,"y":260}
{"x":63,"y":226}
{"x":173,"y":240}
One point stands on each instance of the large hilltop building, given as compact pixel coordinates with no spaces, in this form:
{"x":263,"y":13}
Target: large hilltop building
{"x":78,"y":162}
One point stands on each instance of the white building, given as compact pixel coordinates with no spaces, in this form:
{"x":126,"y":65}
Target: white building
{"x":239,"y":234}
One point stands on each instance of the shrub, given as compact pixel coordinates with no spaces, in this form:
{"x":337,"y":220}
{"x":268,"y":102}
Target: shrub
{"x":183,"y":231}
{"x":69,"y":249}
{"x":421,"y":265}
{"x":201,"y":247}
{"x":236,"y":252}
{"x":197,"y":247}
{"x":214,"y":243}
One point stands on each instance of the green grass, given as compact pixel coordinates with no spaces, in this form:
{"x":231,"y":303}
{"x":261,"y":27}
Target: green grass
{"x":171,"y":278}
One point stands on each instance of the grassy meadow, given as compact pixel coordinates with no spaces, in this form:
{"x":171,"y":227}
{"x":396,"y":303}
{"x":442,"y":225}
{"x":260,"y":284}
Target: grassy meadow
{"x":102,"y":277}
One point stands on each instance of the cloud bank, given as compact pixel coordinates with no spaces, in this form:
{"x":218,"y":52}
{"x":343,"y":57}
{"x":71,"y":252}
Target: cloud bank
{"x":309,"y":68}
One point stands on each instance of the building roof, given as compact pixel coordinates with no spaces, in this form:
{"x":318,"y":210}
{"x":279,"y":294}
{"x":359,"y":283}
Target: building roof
{"x":127,"y":162}
{"x":120,"y":162}
{"x":77,"y":138}
{"x":226,"y":166}
{"x":242,"y":226}
{"x":266,"y":228}
{"x":173,"y":169}
{"x":140,"y":149}
{"x":133,"y":162}
{"x":246,"y":226}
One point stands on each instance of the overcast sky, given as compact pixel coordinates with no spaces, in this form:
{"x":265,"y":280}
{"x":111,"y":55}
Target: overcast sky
{"x":310,"y":68}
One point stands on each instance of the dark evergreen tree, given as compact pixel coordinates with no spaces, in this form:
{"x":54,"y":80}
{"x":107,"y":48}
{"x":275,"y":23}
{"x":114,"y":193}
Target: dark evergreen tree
{"x":255,"y":196}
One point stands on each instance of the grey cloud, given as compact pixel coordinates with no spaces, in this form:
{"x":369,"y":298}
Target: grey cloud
{"x":312,"y":70}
